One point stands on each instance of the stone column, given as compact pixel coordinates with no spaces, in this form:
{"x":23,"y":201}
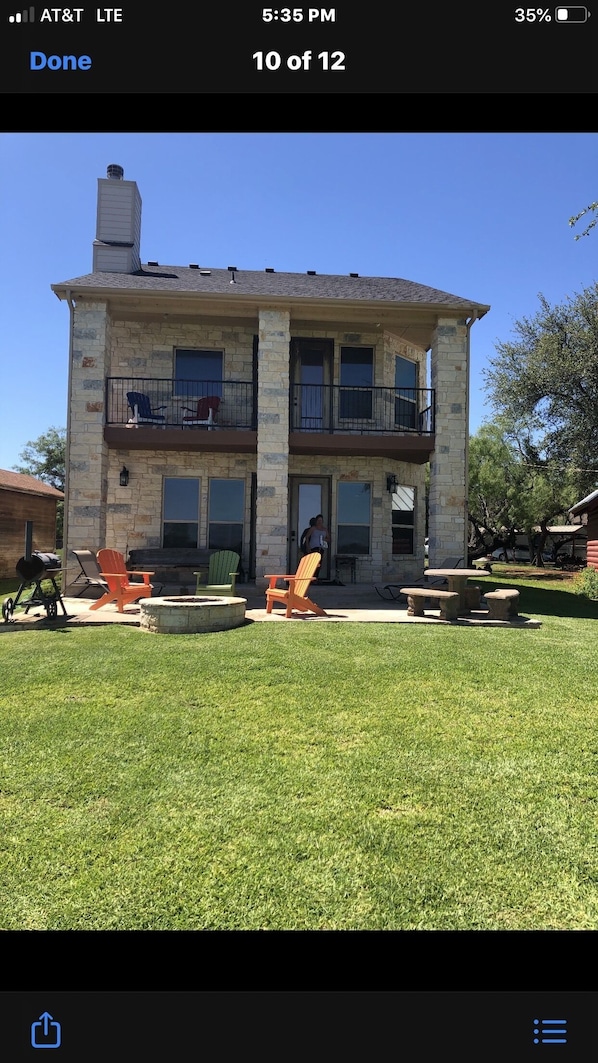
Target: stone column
{"x":87,"y":453}
{"x":272,"y":444}
{"x":448,"y":465}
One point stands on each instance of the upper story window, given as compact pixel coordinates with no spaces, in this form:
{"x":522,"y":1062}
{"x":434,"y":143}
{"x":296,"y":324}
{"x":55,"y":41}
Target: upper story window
{"x":406,"y":406}
{"x":197,"y":373}
{"x":357,"y":371}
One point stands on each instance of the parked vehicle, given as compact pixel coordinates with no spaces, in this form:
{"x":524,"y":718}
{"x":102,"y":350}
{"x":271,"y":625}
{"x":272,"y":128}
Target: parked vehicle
{"x":517,"y":553}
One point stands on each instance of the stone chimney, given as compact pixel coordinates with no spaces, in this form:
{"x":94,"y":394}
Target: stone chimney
{"x":116,"y":248}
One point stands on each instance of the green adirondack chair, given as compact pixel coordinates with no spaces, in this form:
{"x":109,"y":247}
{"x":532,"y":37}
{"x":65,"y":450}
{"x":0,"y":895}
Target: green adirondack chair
{"x":222,"y":573}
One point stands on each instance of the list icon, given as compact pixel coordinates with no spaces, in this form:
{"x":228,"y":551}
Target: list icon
{"x":550,"y":1031}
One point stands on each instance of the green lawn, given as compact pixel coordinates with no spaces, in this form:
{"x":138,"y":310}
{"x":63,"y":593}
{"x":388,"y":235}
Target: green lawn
{"x":303,"y":776}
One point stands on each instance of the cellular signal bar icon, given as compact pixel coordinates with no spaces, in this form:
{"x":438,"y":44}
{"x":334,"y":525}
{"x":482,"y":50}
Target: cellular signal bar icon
{"x":23,"y":16}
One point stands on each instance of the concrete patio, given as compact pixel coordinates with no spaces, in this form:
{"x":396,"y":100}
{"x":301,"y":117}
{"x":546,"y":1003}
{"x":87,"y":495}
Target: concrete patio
{"x":350,"y":603}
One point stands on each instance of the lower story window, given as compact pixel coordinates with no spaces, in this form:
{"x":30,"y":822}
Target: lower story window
{"x":226,"y":510}
{"x":353,"y":518}
{"x":403,"y":519}
{"x":180,"y":512}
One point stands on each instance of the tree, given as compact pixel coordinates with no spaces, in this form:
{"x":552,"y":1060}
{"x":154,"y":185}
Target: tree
{"x":546,"y":491}
{"x":45,"y":458}
{"x":491,"y":487}
{"x":544,"y":386}
{"x":512,"y":489}
{"x":593,"y":208}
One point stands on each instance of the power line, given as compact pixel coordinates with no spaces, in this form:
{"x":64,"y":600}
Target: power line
{"x":565,"y":468}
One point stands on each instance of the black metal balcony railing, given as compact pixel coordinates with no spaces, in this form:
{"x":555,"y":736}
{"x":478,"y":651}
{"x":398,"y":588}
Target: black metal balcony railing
{"x":336,"y":409}
{"x":179,"y":399}
{"x":313,"y":407}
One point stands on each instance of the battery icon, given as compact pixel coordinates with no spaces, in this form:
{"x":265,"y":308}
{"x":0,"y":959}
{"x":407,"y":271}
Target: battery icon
{"x":571,"y":14}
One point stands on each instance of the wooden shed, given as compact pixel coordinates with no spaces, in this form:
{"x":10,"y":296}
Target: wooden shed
{"x":24,"y":498}
{"x":589,"y":507}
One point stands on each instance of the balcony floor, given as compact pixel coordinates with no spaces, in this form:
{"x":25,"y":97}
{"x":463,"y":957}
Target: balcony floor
{"x":400,"y":447}
{"x":408,"y":446}
{"x":218,"y":440}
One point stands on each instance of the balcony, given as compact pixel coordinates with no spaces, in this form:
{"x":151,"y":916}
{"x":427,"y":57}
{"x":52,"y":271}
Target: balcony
{"x":173,"y":401}
{"x":324,"y":419}
{"x":388,"y":422}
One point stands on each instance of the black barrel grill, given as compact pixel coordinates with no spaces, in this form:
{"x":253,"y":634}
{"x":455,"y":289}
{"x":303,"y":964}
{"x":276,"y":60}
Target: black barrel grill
{"x":33,"y":570}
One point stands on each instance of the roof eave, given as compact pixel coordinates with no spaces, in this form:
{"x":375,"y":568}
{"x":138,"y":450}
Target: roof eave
{"x":63,"y":291}
{"x":589,"y":502}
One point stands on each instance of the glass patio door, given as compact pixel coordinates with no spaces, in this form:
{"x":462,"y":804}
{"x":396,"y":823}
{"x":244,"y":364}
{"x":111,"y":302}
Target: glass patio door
{"x":311,"y":392}
{"x":308,"y":495}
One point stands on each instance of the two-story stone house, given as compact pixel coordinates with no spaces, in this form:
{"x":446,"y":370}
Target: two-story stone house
{"x":322,"y":401}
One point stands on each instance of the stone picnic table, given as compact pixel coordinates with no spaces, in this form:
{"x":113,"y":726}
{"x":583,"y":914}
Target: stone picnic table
{"x":469,"y":597}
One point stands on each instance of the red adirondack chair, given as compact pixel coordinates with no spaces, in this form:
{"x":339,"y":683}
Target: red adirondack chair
{"x":121,"y":589}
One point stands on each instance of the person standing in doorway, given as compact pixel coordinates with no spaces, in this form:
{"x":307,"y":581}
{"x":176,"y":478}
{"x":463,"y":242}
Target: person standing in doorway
{"x":322,"y":535}
{"x":305,"y":540}
{"x":316,"y":537}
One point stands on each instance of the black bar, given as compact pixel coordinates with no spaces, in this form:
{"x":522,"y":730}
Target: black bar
{"x":28,"y":539}
{"x":320,"y":1026}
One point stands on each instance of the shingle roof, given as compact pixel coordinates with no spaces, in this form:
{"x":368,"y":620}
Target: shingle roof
{"x":271,"y":285}
{"x":17,"y":481}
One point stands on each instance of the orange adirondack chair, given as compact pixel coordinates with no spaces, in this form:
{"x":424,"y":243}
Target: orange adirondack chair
{"x":120,"y":588}
{"x":294,"y":596}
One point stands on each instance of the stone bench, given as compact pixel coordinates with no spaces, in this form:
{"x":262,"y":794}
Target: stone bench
{"x":502,"y":603}
{"x":448,"y":601}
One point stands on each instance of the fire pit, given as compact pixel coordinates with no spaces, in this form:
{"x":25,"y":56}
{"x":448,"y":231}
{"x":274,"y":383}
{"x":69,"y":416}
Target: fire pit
{"x":191,"y":614}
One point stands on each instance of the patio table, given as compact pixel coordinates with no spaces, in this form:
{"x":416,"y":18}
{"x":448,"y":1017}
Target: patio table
{"x":457,"y":581}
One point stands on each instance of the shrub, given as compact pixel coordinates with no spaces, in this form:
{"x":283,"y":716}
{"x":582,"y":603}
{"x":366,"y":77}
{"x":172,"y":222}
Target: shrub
{"x":586,"y":583}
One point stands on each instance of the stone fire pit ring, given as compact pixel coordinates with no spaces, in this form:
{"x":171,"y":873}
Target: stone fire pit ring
{"x":191,"y":614}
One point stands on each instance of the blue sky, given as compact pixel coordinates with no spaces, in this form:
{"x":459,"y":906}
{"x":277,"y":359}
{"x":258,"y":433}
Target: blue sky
{"x":481,"y":215}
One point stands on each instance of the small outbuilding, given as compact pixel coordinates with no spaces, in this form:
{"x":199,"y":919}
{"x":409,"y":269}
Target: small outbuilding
{"x":22,"y":499}
{"x":588,"y":507}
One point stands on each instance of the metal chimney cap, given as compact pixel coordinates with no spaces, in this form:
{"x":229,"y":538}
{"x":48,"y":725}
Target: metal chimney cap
{"x":115,"y":172}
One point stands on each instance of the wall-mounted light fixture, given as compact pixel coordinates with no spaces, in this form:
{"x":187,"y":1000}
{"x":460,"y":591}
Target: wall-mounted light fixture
{"x":391,"y":483}
{"x":124,"y":477}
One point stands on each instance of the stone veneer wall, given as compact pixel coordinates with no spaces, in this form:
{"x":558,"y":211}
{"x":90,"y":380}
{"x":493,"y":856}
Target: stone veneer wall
{"x":87,"y":456}
{"x":272,"y":444}
{"x":448,"y":467}
{"x":380,"y":564}
{"x":146,"y":348}
{"x":134,"y":513}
